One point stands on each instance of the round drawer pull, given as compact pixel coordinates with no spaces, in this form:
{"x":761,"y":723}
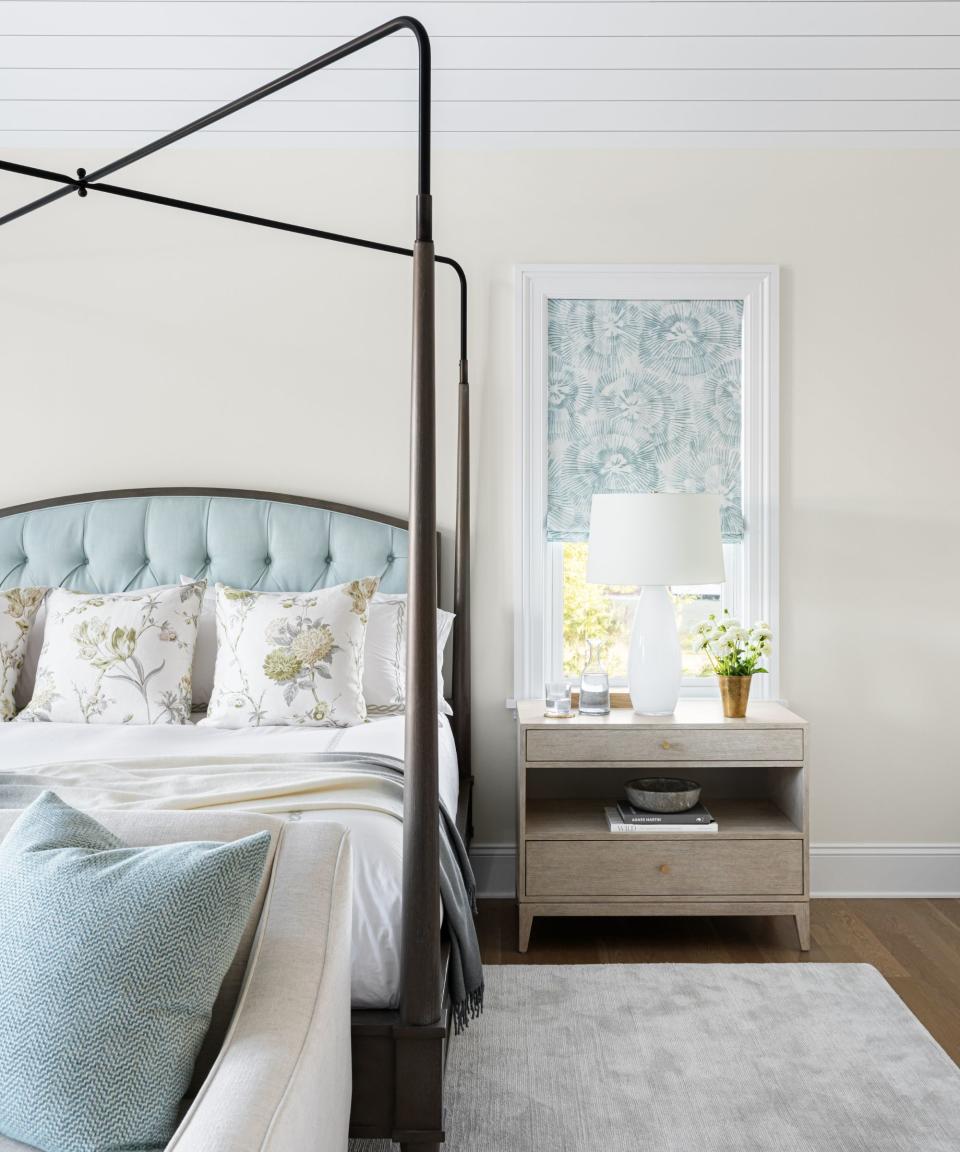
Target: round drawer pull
{"x":665,"y":869}
{"x":665,"y":744}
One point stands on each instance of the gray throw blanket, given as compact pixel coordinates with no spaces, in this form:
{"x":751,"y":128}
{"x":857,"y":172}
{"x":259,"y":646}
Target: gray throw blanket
{"x":458,"y":892}
{"x":280,"y":784}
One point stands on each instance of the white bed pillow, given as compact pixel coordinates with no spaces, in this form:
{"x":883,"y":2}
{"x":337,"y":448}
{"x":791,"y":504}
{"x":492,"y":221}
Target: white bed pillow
{"x":117,"y":658}
{"x":284,"y":658}
{"x":205,"y":652}
{"x":31,"y":658}
{"x":18,"y":610}
{"x":385,"y":656}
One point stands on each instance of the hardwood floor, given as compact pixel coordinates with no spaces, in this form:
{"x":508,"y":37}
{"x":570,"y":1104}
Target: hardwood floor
{"x":914,"y":943}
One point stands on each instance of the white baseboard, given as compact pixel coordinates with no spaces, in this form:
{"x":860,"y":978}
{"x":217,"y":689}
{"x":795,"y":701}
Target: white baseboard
{"x":879,"y":870}
{"x":495,"y":869}
{"x":854,"y":871}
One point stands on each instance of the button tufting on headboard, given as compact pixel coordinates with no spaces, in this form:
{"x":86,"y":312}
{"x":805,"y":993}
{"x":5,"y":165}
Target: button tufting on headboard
{"x":110,"y":544}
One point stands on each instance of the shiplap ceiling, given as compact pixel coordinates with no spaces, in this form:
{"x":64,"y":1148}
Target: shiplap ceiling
{"x":523,"y":73}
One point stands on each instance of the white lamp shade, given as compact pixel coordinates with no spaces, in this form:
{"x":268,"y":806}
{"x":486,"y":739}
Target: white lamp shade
{"x":655,"y":538}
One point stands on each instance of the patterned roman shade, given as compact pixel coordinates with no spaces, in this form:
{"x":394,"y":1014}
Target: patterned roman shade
{"x":644,"y":396}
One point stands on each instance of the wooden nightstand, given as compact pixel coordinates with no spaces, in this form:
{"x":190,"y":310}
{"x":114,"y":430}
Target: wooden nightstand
{"x":754,"y":779}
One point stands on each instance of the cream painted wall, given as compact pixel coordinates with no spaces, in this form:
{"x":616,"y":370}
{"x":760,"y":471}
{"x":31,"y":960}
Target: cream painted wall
{"x":141,"y":346}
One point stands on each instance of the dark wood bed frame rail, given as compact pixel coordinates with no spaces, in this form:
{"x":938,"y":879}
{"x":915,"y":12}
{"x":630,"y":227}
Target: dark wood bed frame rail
{"x":398,"y":1058}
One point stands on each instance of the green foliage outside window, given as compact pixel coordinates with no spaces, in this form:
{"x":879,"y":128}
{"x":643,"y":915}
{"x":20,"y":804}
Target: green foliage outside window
{"x":590,"y":613}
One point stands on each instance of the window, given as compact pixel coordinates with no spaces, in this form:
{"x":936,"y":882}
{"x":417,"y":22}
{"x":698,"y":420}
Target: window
{"x":592,"y":611}
{"x":649,"y":378}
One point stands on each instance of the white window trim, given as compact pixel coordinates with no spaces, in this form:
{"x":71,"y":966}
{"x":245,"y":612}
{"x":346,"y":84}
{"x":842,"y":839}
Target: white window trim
{"x":753,"y":592}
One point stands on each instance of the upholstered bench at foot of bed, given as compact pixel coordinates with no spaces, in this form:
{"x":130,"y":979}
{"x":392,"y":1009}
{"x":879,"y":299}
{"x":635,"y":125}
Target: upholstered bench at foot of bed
{"x":280,"y":1080}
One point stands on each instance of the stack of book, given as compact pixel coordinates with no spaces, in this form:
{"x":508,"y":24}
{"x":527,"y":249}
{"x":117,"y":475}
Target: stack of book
{"x":625,"y":818}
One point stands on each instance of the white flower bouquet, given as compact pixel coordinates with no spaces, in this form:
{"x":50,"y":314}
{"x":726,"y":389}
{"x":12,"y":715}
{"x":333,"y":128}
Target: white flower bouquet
{"x":732,"y":649}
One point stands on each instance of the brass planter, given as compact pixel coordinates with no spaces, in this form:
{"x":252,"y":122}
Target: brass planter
{"x":735,"y":692}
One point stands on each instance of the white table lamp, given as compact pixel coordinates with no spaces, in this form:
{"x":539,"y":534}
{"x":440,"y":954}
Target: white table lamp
{"x":653,"y":540}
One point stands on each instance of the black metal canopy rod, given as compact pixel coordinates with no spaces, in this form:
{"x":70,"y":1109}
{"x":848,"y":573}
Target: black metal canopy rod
{"x":81,"y":184}
{"x":398,"y":24}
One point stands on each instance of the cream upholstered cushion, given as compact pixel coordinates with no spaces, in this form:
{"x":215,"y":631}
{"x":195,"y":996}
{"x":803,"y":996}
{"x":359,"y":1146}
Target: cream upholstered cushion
{"x":290,"y":1033}
{"x":280,"y":1081}
{"x":8,"y":1145}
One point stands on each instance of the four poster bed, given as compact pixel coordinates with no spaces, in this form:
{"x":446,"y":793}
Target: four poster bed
{"x":118,"y":540}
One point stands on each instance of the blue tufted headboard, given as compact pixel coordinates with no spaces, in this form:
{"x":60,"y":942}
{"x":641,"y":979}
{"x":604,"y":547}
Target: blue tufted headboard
{"x":112,"y":541}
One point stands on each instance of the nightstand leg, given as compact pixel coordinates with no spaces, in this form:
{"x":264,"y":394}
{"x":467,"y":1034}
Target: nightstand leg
{"x":525,"y":923}
{"x":802,"y":917}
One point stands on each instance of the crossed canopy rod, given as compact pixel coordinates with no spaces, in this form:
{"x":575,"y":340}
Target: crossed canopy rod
{"x":420,"y":985}
{"x":94,"y":181}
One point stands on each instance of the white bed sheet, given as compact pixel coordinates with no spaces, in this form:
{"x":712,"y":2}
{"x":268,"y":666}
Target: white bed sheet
{"x":377,"y":839}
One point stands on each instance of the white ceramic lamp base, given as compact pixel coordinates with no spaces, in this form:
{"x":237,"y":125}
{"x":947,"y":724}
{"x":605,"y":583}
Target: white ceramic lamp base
{"x":654,"y":670}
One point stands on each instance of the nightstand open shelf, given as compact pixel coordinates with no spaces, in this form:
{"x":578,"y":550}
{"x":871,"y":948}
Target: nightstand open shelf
{"x":584,"y":820}
{"x":754,"y":781}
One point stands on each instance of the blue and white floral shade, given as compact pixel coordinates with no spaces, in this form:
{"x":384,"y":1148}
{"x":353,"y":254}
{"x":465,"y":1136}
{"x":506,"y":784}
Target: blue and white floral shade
{"x":643,"y":396}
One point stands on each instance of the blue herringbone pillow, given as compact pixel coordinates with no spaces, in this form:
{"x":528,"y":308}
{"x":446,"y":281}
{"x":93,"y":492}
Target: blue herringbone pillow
{"x":110,"y":961}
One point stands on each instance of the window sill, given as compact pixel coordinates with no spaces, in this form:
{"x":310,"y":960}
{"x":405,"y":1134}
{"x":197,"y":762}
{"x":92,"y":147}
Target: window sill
{"x":620,"y":697}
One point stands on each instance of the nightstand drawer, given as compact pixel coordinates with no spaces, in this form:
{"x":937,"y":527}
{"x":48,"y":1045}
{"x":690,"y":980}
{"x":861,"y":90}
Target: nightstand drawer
{"x":629,"y":745}
{"x":706,"y":867}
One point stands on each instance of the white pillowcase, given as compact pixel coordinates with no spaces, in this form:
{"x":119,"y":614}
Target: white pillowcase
{"x":287,"y":658}
{"x":119,"y":658}
{"x":205,"y":652}
{"x":385,"y":656}
{"x":31,"y":658}
{"x":18,"y":610}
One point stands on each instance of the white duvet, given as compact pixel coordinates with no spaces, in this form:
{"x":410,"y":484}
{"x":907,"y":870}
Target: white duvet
{"x":376,"y":838}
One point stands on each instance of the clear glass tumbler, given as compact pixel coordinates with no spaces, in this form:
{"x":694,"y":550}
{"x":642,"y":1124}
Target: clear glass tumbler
{"x":557,"y":699}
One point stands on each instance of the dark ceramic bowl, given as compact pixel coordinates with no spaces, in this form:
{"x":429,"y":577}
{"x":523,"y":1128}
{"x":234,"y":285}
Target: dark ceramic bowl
{"x":663,"y":794}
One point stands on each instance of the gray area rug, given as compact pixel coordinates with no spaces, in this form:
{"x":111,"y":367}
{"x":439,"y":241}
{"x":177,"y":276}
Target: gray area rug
{"x":697,"y":1058}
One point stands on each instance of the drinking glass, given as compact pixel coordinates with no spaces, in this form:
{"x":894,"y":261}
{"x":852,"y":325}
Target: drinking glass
{"x":557,"y":699}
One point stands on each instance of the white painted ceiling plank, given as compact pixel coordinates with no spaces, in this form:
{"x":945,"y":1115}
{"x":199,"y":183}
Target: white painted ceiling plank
{"x":483,"y":52}
{"x":337,"y":84}
{"x":345,"y":20}
{"x":574,"y":73}
{"x":477,"y":117}
{"x":14,"y":146}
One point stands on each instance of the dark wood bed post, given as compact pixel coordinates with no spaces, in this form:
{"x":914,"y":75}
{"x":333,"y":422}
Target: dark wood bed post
{"x":461,"y":575}
{"x":420,"y":987}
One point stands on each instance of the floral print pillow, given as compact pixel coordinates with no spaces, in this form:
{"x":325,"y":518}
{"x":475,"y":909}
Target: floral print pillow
{"x":120,"y":658}
{"x":286,"y":658}
{"x":18,"y":607}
